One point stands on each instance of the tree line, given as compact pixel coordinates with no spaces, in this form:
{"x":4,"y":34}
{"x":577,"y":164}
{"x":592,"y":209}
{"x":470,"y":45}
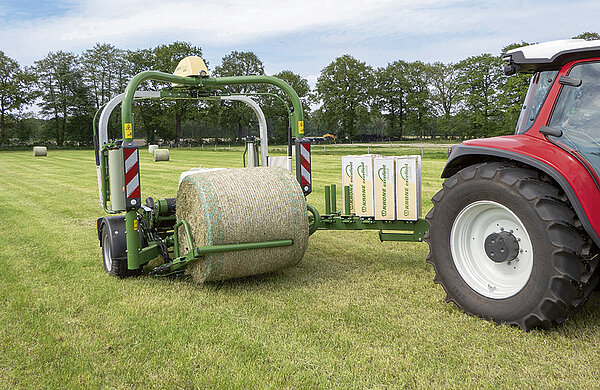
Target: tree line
{"x":55,"y":99}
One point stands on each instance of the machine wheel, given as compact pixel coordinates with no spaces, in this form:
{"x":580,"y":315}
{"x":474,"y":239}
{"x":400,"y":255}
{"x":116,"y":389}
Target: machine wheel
{"x":114,"y":266}
{"x":506,"y":247}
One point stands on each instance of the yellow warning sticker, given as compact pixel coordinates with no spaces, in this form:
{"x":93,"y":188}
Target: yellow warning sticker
{"x":128,"y":133}
{"x":135,"y":224}
{"x":301,"y":127}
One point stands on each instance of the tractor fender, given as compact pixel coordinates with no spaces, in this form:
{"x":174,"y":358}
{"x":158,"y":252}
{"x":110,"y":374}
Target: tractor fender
{"x":538,"y":157}
{"x":116,"y":227}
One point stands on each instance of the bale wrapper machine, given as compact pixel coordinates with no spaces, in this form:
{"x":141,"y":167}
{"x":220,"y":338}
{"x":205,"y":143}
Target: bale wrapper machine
{"x":136,"y":233}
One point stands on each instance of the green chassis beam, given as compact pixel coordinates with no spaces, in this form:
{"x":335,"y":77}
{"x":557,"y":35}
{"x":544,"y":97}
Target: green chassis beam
{"x":296,"y":123}
{"x":403,"y":230}
{"x":334,"y":220}
{"x":197,"y":253}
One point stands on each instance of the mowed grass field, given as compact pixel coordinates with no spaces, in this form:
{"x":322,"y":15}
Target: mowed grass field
{"x":355,"y":313}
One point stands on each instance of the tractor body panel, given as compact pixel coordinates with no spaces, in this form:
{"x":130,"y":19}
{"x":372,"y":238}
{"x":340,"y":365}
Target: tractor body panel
{"x":572,"y":176}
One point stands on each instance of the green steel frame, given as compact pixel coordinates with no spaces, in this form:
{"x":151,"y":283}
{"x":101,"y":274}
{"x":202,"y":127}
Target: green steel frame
{"x":164,"y":95}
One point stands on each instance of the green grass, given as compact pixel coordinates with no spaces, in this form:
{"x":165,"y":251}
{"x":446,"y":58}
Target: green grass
{"x":355,"y":313}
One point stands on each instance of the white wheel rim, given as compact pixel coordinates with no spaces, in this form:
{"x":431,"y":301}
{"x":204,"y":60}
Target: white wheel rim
{"x":467,"y":237}
{"x":106,"y":254}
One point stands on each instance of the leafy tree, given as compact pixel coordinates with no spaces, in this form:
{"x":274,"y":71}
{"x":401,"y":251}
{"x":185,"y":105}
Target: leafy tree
{"x":418,"y":100}
{"x":588,"y":36}
{"x":15,"y":91}
{"x":27,"y":127}
{"x":471,"y":98}
{"x":162,"y":119}
{"x":166,"y":59}
{"x":102,"y":73}
{"x":276,"y":112}
{"x":479,"y":78}
{"x":443,"y":81}
{"x":147,"y":113}
{"x":138,"y":61}
{"x":61,"y":86}
{"x":239,"y":64}
{"x":345,"y":88}
{"x":81,"y":115}
{"x":389,"y":96}
{"x":105,"y":72}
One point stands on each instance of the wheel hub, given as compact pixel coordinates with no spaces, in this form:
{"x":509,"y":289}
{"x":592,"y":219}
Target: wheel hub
{"x":501,"y":247}
{"x":481,"y":228}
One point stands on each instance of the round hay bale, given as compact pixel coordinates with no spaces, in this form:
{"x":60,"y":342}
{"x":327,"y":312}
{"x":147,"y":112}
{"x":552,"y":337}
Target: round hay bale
{"x":152,"y":148}
{"x":40,"y":151}
{"x":232,"y":206}
{"x":161,"y":155}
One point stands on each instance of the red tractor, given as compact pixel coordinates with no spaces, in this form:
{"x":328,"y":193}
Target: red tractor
{"x":514,"y":231}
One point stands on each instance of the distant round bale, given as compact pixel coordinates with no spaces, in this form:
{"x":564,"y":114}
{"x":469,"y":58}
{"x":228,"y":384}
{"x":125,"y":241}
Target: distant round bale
{"x":161,"y":155}
{"x":152,"y":148}
{"x":40,"y":151}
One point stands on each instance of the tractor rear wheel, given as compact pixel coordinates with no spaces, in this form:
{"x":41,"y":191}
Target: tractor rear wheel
{"x":506,"y":247}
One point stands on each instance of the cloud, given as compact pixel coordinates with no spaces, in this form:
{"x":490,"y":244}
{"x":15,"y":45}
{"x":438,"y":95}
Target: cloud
{"x":216,"y":23}
{"x":220,"y":23}
{"x":303,"y":36}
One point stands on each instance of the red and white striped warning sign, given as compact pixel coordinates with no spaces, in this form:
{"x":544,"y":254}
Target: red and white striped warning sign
{"x":303,"y":172}
{"x":132,"y":174}
{"x":305,"y":163}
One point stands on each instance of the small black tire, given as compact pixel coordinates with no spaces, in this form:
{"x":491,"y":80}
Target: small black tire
{"x":555,"y":278}
{"x":112,"y":265}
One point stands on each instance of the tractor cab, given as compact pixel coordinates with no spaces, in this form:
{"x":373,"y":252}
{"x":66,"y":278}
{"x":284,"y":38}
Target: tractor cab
{"x":576,"y":113}
{"x":574,"y":118}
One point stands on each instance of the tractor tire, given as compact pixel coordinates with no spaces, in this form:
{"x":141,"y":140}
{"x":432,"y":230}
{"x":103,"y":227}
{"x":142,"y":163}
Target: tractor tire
{"x":506,"y":246}
{"x":114,"y":266}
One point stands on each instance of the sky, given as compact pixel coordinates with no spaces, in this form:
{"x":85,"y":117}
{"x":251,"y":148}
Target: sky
{"x":301,"y":36}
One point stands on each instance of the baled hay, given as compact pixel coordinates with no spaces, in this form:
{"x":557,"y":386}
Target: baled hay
{"x":40,"y":151}
{"x":242,"y":205}
{"x":161,"y":155}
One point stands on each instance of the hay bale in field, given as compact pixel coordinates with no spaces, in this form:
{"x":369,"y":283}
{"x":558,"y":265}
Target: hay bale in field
{"x":242,"y":205}
{"x":40,"y":151}
{"x":152,"y":148}
{"x":161,"y":155}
